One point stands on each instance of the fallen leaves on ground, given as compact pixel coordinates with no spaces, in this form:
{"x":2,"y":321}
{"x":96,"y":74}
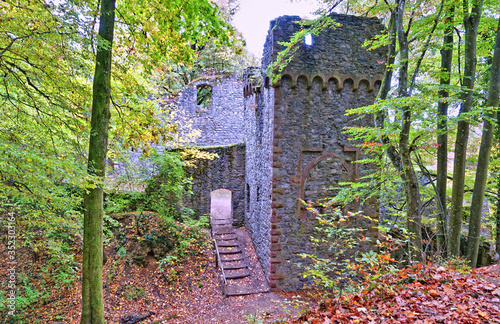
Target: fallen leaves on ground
{"x":417,"y":295}
{"x":189,"y":291}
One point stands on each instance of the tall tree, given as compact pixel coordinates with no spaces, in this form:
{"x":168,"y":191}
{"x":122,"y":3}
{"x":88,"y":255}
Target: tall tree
{"x":442,"y":129}
{"x":167,"y":32}
{"x":472,"y":15}
{"x":92,"y":299}
{"x":490,"y":115}
{"x":408,"y":174}
{"x":497,"y":216}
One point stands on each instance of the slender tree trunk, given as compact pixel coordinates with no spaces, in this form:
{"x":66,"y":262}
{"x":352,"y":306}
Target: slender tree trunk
{"x":484,"y":157}
{"x":384,"y":91}
{"x":442,"y":130}
{"x":412,"y":186}
{"x":92,"y":298}
{"x":497,"y":240}
{"x":471,"y":22}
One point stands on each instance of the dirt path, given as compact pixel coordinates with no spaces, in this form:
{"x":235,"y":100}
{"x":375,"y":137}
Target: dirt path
{"x":258,"y":308}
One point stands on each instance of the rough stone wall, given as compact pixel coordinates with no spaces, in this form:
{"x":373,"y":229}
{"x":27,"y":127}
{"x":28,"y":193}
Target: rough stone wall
{"x":259,"y":107}
{"x":220,"y":128}
{"x":310,"y":151}
{"x":225,"y":172}
{"x":221,"y":123}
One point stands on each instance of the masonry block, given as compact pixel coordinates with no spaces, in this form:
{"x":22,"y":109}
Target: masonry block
{"x":276,"y":232}
{"x":275,"y":219}
{"x":276,"y":247}
{"x":279,"y":190}
{"x":277,"y":204}
{"x":276,"y":276}
{"x":277,"y":165}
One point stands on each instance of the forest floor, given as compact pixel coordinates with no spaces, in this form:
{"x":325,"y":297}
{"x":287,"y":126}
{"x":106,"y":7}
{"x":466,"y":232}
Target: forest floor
{"x":418,"y":295}
{"x":189,"y":291}
{"x":193,"y":294}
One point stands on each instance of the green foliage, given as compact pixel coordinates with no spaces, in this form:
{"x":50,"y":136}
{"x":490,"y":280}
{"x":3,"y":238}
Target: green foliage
{"x":167,"y":266}
{"x":25,"y":296}
{"x":133,"y":292}
{"x":122,"y":252}
{"x":165,"y":190}
{"x":340,"y":262}
{"x":332,"y":270}
{"x":183,"y":239}
{"x":120,"y":201}
{"x":457,"y":263}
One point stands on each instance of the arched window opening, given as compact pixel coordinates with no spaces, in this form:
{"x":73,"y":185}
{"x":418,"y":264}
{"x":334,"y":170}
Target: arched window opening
{"x":204,"y":95}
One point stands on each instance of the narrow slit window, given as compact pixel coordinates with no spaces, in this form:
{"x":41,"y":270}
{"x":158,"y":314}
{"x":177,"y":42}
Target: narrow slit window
{"x":204,"y":95}
{"x":308,"y":39}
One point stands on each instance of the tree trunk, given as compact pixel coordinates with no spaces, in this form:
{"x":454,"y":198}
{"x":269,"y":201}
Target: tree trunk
{"x":412,"y":186}
{"x":484,"y":157}
{"x":381,"y":116}
{"x":497,"y":239}
{"x":92,"y":298}
{"x":471,"y":23}
{"x":442,"y":130}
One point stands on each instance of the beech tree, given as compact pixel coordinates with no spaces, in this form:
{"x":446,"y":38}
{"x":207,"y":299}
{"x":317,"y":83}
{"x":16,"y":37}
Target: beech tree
{"x":92,"y":299}
{"x":490,"y":115}
{"x":168,"y":29}
{"x":472,"y":13}
{"x":442,"y":131}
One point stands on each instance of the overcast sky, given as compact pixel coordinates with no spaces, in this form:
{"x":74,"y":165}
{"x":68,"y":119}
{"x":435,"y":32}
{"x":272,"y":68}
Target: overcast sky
{"x":253,"y":18}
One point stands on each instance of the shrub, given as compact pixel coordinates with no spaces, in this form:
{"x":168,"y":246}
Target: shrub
{"x":164,"y":191}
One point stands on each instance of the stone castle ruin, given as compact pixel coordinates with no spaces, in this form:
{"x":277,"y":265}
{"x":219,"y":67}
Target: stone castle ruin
{"x":278,"y":143}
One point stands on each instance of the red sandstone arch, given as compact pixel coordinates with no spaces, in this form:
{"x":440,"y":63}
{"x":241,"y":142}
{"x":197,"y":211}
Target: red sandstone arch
{"x":312,"y":164}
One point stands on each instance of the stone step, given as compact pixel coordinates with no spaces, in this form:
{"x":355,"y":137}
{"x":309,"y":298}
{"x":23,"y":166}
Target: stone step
{"x":237,"y":274}
{"x":234,"y":266}
{"x":227,"y":237}
{"x":229,"y":250}
{"x":231,"y":258}
{"x":224,"y":230}
{"x":227,"y":244}
{"x":222,"y":224}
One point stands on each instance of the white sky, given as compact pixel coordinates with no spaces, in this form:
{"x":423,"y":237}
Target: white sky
{"x":253,"y":18}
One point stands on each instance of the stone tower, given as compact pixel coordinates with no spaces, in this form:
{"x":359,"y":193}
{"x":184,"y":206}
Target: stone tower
{"x":295,"y":145}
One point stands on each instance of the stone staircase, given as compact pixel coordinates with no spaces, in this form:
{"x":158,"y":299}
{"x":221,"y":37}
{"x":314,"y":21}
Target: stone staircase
{"x":241,"y":271}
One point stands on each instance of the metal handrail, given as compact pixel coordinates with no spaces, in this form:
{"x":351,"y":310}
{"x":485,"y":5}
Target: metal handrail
{"x":219,"y":261}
